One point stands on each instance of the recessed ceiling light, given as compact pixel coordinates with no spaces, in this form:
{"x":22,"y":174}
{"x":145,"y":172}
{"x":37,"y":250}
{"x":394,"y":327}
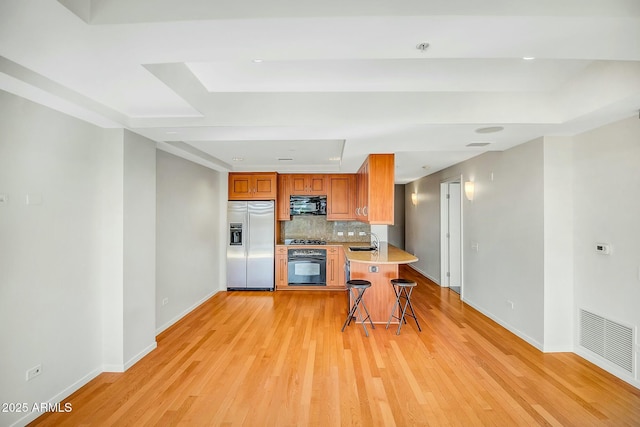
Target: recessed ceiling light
{"x":478,"y":144}
{"x":528,"y":58}
{"x":334,"y":159}
{"x":237,"y":159}
{"x":257,"y":60}
{"x":490,"y":129}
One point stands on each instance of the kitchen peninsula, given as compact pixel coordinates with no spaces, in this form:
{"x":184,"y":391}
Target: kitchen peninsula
{"x":378,"y":267}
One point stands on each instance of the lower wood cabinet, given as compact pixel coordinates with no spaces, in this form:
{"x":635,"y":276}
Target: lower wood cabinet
{"x":335,"y":266}
{"x":335,"y":269}
{"x":281,"y":279}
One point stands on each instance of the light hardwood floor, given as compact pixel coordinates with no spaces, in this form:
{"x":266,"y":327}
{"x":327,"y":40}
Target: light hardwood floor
{"x":279,"y":359}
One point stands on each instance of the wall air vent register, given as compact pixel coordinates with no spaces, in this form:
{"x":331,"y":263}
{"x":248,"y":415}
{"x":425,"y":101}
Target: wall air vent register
{"x":608,"y":339}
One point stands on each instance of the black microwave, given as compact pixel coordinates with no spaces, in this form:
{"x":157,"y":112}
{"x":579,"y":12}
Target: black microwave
{"x":308,"y":205}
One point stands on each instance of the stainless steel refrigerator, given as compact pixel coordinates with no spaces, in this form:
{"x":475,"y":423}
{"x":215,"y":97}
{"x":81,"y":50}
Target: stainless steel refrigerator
{"x":250,"y":244}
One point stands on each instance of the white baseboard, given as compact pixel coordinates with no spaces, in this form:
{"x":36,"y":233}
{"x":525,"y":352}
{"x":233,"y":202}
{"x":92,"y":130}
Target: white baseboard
{"x":607,"y":366}
{"x":508,"y":327}
{"x":433,"y":279}
{"x":559,"y":349}
{"x":113,"y":368}
{"x":184,"y":313}
{"x":135,"y":359}
{"x":129,"y":363}
{"x":68,"y":391}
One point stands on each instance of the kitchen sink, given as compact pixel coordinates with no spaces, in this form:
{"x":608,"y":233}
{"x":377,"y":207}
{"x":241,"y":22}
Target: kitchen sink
{"x":362,"y":248}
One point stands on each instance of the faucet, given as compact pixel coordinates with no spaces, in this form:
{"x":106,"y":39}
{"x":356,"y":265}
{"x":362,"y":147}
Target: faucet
{"x":376,"y":243}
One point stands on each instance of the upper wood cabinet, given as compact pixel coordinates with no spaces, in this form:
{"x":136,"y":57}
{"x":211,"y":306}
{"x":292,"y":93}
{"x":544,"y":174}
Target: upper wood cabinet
{"x":375,"y":194}
{"x":283,"y":212}
{"x":303,"y":184}
{"x":252,"y":186}
{"x":341,"y":197}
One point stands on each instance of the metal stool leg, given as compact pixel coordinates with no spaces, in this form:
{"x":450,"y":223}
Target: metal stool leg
{"x":352,"y":310}
{"x":403,"y":290}
{"x":358,"y":305}
{"x":395,"y":305}
{"x":407,"y":303}
{"x":413,"y":313}
{"x":363,"y":319}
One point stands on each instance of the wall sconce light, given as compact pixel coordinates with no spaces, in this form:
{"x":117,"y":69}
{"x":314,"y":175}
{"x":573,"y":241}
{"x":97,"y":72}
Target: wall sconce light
{"x":469,"y":190}
{"x":414,"y":199}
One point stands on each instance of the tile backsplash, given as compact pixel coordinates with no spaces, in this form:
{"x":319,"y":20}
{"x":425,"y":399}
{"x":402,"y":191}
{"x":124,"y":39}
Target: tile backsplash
{"x":317,"y":227}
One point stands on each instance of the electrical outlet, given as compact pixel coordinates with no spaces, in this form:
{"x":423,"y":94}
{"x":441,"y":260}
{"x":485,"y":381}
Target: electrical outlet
{"x":510,"y":304}
{"x":165,"y":301}
{"x":34,"y":372}
{"x":340,"y":233}
{"x":350,"y":233}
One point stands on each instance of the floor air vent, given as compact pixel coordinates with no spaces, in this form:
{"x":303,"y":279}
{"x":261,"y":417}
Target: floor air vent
{"x":607,"y":338}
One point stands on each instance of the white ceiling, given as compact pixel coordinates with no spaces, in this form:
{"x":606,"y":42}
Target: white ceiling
{"x":337,"y":79}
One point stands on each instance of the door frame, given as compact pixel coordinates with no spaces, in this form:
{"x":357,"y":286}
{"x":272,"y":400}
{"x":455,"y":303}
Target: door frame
{"x":444,"y":229}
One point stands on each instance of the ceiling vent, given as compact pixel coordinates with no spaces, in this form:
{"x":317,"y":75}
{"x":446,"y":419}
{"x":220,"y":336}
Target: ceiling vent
{"x":490,"y":129}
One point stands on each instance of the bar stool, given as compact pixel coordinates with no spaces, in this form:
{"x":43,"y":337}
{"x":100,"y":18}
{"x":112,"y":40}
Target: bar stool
{"x":361,"y":286}
{"x":403,"y":289}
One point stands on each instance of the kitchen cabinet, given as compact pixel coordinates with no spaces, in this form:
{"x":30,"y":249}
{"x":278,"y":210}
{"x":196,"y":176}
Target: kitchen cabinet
{"x":281,"y":266}
{"x":283,"y":206}
{"x":335,"y":266}
{"x":304,"y":184}
{"x":375,"y":190}
{"x":252,"y":186}
{"x":341,"y":197}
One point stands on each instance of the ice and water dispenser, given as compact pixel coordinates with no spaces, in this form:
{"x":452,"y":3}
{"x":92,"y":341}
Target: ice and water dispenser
{"x":235,"y":234}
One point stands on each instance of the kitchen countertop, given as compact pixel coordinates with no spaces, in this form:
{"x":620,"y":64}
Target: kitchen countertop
{"x":386,"y":254}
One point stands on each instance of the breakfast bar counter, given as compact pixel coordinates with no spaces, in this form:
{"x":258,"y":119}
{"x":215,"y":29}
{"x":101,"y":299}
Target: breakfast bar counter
{"x":378,"y":267}
{"x":386,"y":254}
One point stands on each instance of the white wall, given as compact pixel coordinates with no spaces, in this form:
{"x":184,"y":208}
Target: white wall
{"x":189,"y":236}
{"x":607,"y":210}
{"x":396,"y":231}
{"x":139,"y":308}
{"x":558,"y":244}
{"x":536,"y":224}
{"x":55,"y":254}
{"x":77,"y":262}
{"x":506,"y":221}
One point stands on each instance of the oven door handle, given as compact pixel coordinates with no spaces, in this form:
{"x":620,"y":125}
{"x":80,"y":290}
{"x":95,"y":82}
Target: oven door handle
{"x":311,"y":259}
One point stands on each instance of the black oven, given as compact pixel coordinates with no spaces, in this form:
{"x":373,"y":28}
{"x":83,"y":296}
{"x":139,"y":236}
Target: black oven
{"x":307,"y":267}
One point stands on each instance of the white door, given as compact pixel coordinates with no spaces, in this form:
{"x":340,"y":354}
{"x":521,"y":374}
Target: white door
{"x":455,"y":233}
{"x":451,"y":234}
